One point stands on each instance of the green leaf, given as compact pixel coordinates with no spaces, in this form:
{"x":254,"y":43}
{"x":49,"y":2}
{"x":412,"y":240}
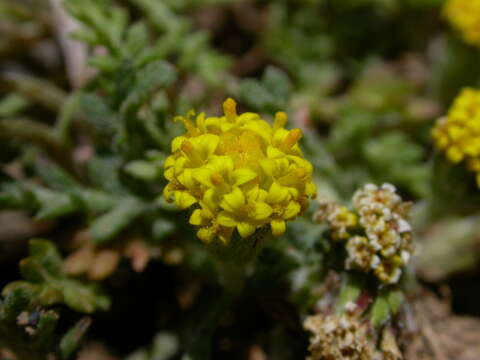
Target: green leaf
{"x":46,"y":283}
{"x":103,"y":172}
{"x":15,"y":302}
{"x":93,"y":201}
{"x":47,"y":255}
{"x":106,"y":227}
{"x":12,"y":104}
{"x":270,"y":94}
{"x":55,"y":205}
{"x":255,"y":95}
{"x":87,"y":36}
{"x":45,"y":328}
{"x":99,"y":115}
{"x":386,"y":304}
{"x":14,"y":195}
{"x":160,"y":15}
{"x":72,"y":339}
{"x":106,"y":22}
{"x":85,"y":298}
{"x":380,"y":310}
{"x":54,"y":176}
{"x":32,"y":271}
{"x":106,"y":63}
{"x":137,"y":39}
{"x":350,"y":292}
{"x":405,"y":168}
{"x":277,"y":83}
{"x":143,"y":170}
{"x":123,"y":82}
{"x":153,"y":77}
{"x":395,"y":300}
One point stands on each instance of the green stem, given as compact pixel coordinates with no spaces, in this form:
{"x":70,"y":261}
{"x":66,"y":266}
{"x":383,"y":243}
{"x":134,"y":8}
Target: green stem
{"x":200,"y":346}
{"x":231,"y":276}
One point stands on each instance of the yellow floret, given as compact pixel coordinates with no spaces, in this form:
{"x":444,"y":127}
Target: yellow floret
{"x":458,"y":134}
{"x":464,"y":16}
{"x":239,"y":173}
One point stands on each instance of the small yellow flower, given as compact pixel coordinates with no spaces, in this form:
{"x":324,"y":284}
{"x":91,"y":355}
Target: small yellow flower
{"x":458,"y":134}
{"x":464,"y":15}
{"x":239,"y":173}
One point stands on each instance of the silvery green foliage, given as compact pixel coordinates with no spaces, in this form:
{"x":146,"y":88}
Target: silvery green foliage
{"x":93,"y":158}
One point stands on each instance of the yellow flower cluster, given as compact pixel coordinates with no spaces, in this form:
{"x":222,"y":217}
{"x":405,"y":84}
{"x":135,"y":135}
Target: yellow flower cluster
{"x":238,"y":172}
{"x":378,"y":238}
{"x":458,"y":134}
{"x":464,"y":15}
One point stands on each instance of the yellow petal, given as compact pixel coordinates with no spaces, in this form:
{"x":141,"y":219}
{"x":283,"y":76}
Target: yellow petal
{"x":196,"y":218}
{"x":206,"y":145}
{"x":203,"y":176}
{"x":226,"y":126}
{"x":167,"y":193}
{"x":177,"y":143}
{"x":245,"y":229}
{"x":183,"y":199}
{"x":262,"y":211}
{"x":222,"y":164}
{"x":169,"y":161}
{"x":278,"y":227}
{"x":210,"y":199}
{"x":206,"y":235}
{"x":169,"y":174}
{"x":243,"y":176}
{"x":273,"y":152}
{"x":230,"y":109}
{"x":281,"y":119}
{"x":200,"y":120}
{"x":294,"y":192}
{"x":180,"y":165}
{"x":454,"y":154}
{"x":226,"y":220}
{"x":293,"y":208}
{"x":291,"y":139}
{"x":268,"y":166}
{"x":233,"y":201}
{"x":277,"y":194}
{"x":279,"y":136}
{"x":186,"y":179}
{"x":311,"y":189}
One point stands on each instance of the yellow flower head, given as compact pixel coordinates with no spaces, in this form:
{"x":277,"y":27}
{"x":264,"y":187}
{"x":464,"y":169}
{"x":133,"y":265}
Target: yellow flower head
{"x":458,"y":134}
{"x":464,"y":15}
{"x":238,"y":172}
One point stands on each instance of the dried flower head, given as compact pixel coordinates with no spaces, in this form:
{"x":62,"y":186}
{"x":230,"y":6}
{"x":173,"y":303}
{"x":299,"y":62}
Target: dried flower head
{"x":458,"y":134}
{"x":377,"y":234}
{"x":338,"y":337}
{"x":339,"y":218}
{"x":238,"y":172}
{"x":464,"y":16}
{"x":382,"y":214}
